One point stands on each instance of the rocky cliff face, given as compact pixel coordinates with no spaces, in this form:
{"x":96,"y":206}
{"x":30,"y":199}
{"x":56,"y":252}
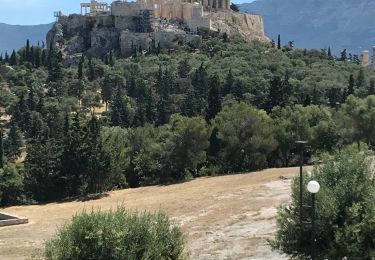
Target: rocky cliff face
{"x":98,"y":35}
{"x":249,"y":26}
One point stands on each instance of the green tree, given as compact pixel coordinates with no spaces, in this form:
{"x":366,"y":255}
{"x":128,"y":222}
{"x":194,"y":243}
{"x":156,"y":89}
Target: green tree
{"x":343,"y":56}
{"x":213,"y":99}
{"x":13,"y":142}
{"x":350,"y":89}
{"x":13,"y":61}
{"x":246,"y":138}
{"x":122,"y":110}
{"x":11,"y":184}
{"x":186,"y":145}
{"x":344,"y":216}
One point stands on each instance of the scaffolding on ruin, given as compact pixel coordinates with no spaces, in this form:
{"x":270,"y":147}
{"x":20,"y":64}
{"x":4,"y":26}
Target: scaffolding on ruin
{"x":144,"y":20}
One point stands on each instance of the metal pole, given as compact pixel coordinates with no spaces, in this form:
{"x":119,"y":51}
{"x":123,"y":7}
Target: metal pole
{"x":301,"y":186}
{"x":313,"y":227}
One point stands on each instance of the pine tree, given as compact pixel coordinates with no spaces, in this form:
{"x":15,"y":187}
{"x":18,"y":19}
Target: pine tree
{"x":98,"y":160}
{"x":344,"y":56}
{"x":13,"y":142}
{"x":279,"y":42}
{"x":55,"y":67}
{"x":184,"y":68}
{"x":200,"y":83}
{"x":213,"y":99}
{"x":73,"y":162}
{"x":238,"y":89}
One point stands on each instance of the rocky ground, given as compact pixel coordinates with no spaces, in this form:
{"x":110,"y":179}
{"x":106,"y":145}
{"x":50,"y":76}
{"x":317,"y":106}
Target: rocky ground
{"x":228,"y":217}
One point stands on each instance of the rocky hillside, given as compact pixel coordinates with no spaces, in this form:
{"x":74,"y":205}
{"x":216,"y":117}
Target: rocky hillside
{"x":318,"y":24}
{"x":15,"y":36}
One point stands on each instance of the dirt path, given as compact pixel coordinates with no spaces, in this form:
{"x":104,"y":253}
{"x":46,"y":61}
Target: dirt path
{"x":228,"y":217}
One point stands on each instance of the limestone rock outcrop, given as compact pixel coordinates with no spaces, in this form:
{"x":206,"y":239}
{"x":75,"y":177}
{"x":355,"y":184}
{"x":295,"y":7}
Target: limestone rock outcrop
{"x":249,"y":26}
{"x":126,"y":27}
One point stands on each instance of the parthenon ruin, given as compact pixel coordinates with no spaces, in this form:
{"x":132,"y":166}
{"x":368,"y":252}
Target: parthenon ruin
{"x":162,"y":8}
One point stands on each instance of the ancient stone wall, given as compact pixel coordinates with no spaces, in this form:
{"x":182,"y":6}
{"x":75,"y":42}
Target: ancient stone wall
{"x":199,"y":22}
{"x":9,"y":220}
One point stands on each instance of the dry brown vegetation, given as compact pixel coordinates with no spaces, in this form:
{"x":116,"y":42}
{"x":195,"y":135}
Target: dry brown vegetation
{"x":228,"y":217}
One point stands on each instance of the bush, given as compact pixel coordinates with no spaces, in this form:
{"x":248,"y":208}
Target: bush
{"x":117,"y":235}
{"x":345,"y":213}
{"x":12,"y":184}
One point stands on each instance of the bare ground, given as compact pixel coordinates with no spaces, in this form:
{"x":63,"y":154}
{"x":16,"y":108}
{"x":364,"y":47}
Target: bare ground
{"x":228,"y":217}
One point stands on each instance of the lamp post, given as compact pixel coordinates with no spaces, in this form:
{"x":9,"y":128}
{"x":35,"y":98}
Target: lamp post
{"x":313,"y":187}
{"x":301,"y":146}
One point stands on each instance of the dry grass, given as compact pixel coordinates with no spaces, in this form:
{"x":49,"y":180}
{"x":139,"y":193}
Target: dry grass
{"x":228,"y":217}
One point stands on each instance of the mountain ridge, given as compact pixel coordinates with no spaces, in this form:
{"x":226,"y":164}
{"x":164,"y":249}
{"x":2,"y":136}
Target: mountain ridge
{"x":318,"y":24}
{"x":16,"y":35}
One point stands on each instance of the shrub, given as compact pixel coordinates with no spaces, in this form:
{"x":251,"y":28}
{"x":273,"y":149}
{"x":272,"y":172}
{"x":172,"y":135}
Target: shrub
{"x":12,"y":184}
{"x":345,"y":213}
{"x":117,"y":235}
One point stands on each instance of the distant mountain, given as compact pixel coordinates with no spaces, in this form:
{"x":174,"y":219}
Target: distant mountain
{"x":341,"y":24}
{"x":15,"y":36}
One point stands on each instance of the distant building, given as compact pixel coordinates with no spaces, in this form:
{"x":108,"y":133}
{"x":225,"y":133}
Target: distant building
{"x":365,"y":59}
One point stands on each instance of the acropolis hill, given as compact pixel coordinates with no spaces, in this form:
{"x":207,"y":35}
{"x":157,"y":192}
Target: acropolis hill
{"x":147,"y":24}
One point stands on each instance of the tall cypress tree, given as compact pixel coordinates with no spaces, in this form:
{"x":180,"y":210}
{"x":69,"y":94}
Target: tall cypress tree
{"x":80,"y":69}
{"x":279,"y":42}
{"x":350,"y":89}
{"x":13,"y":59}
{"x":329,"y":53}
{"x":27,"y":51}
{"x":6,"y":57}
{"x":213,"y":99}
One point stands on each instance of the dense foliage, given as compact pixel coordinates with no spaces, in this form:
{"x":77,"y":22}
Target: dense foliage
{"x":117,"y":235}
{"x":218,"y":107}
{"x":345,"y":215}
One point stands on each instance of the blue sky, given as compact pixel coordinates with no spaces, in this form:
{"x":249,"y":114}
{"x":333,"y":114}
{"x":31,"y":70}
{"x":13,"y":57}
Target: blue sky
{"x":41,"y":11}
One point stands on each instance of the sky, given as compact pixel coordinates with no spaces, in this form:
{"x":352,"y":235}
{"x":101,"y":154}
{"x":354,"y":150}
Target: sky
{"x":31,"y":12}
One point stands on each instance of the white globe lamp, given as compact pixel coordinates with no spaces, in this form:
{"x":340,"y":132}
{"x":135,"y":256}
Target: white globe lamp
{"x":313,"y":187}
